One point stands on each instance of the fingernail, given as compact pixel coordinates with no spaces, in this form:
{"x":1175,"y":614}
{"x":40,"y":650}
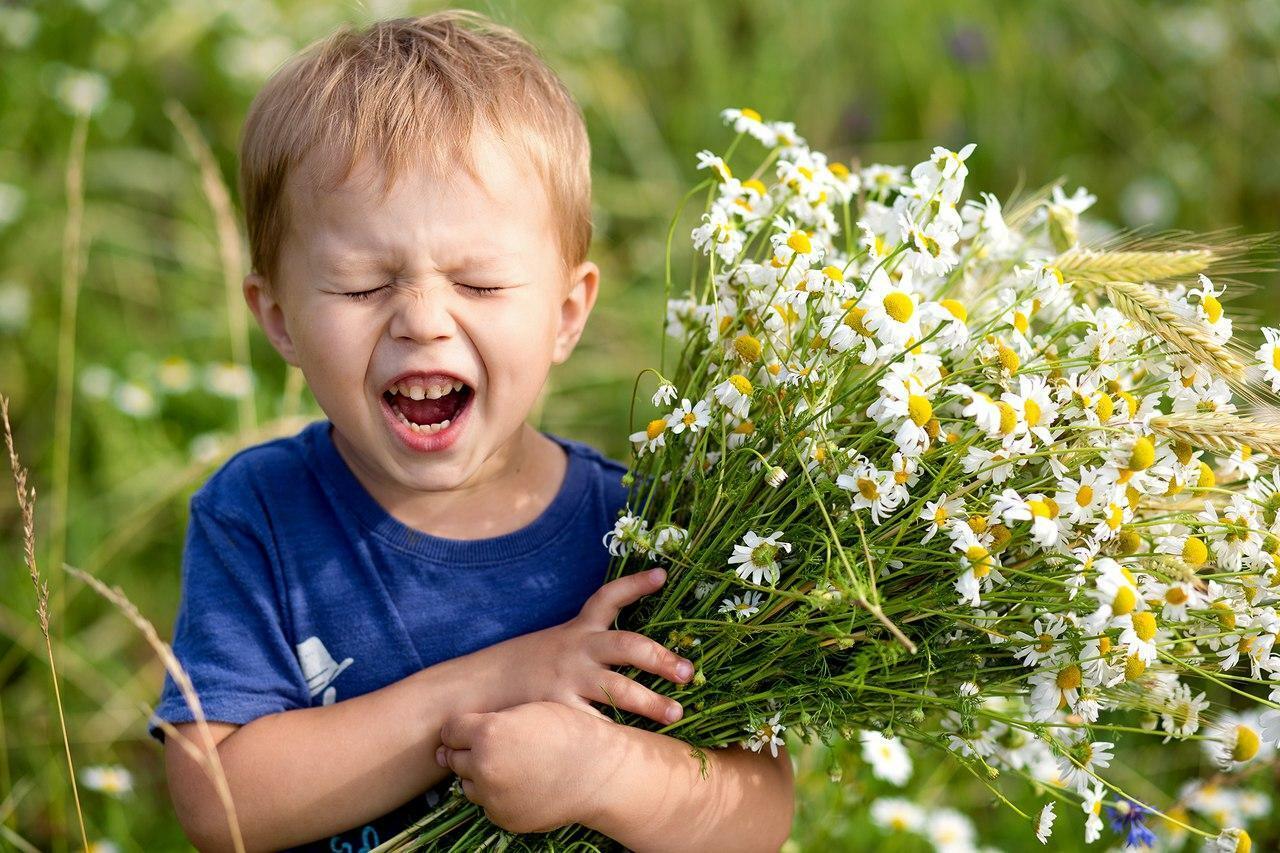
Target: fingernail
{"x":657,"y":575}
{"x":674,"y":713}
{"x":440,"y":757}
{"x":684,"y":669}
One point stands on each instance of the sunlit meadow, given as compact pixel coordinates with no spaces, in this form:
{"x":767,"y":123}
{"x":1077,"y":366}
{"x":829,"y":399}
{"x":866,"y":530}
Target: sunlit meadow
{"x":133,"y":370}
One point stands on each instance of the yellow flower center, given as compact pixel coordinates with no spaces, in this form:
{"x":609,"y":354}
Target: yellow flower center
{"x":1194,"y":551}
{"x":1104,"y":645}
{"x":1008,"y":418}
{"x":1104,"y":407}
{"x":868,"y":489}
{"x":1031,"y":411}
{"x":1070,"y":677}
{"x":799,"y":241}
{"x":1045,"y":644}
{"x":1020,"y":322}
{"x":898,"y":306}
{"x":1115,"y":516}
{"x":919,"y":409}
{"x":1131,"y":402}
{"x":1039,"y":509}
{"x":1084,"y":496}
{"x":1247,"y":743}
{"x":833,"y":273}
{"x":747,"y":112}
{"x":1008,"y":358}
{"x":1143,"y":455}
{"x":957,"y":310}
{"x":741,"y":383}
{"x":745,"y":428}
{"x":1207,"y":479}
{"x":656,"y":427}
{"x":747,"y":348}
{"x":1144,"y":625}
{"x":1212,"y":308}
{"x":1175,"y":595}
{"x":1124,"y":601}
{"x":1134,"y":667}
{"x":977,"y":523}
{"x":853,"y":319}
{"x":755,"y":185}
{"x":689,"y":419}
{"x":940,"y":515}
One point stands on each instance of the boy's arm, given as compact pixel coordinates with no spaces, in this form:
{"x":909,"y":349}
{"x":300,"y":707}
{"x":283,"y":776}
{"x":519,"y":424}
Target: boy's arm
{"x":660,"y":801}
{"x":303,"y":774}
{"x":307,"y":773}
{"x":541,"y":765}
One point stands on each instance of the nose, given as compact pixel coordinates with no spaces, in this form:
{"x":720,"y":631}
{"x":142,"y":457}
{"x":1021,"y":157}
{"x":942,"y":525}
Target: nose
{"x":423,"y":314}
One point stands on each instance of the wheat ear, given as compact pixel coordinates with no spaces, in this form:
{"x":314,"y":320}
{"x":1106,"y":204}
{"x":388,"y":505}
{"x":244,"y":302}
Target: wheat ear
{"x":1219,"y":431}
{"x":1132,"y":266}
{"x":1153,"y":312}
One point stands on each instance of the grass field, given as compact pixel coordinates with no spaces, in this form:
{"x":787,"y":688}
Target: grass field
{"x":133,"y":369}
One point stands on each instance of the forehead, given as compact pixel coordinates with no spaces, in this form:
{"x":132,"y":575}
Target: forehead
{"x":506,"y":209}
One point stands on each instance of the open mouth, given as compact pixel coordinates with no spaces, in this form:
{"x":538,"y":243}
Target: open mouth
{"x":428,"y":406}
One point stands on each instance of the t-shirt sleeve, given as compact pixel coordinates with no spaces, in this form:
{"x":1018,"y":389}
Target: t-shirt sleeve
{"x":229,"y":634}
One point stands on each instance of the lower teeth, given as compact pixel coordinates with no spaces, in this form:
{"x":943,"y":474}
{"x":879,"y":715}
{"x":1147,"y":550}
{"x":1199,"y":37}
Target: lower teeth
{"x":421,"y":428}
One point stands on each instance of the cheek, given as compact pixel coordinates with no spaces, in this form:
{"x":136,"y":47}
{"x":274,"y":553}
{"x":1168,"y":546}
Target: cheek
{"x":332,"y":343}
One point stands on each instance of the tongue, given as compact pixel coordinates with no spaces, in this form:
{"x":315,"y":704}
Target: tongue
{"x":424,"y":412}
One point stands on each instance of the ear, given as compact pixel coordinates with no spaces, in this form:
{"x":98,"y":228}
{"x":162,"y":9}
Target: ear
{"x":577,"y":305}
{"x":270,"y":315}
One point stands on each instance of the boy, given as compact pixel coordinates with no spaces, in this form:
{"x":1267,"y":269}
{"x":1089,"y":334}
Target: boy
{"x":412,"y":588}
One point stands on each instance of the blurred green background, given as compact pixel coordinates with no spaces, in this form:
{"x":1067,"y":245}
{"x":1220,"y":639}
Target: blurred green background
{"x":1166,"y":110}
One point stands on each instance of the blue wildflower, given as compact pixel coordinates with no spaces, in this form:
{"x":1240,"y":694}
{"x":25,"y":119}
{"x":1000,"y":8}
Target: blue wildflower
{"x":1129,"y":818}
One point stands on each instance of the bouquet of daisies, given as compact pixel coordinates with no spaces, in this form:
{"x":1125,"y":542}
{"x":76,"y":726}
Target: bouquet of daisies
{"x":936,"y":470}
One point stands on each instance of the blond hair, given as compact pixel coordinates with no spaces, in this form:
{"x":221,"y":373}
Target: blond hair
{"x":412,"y":91}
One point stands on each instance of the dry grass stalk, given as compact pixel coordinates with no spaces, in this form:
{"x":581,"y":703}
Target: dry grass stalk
{"x":229,"y":249}
{"x":1132,"y":266}
{"x":1218,"y":431}
{"x":206,"y":755}
{"x":1153,"y":312}
{"x":27,"y":504}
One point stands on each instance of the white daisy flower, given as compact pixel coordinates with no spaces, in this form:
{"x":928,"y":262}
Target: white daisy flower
{"x":1044,"y":823}
{"x":735,"y":394}
{"x":757,"y":557}
{"x":690,"y":416}
{"x":743,"y":606}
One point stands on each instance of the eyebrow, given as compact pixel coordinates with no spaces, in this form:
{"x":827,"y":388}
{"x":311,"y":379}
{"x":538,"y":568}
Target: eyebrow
{"x":356,"y":262}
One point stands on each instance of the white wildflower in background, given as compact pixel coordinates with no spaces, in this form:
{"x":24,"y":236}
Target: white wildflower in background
{"x":227,"y":379}
{"x":110,"y":779}
{"x":887,"y":756}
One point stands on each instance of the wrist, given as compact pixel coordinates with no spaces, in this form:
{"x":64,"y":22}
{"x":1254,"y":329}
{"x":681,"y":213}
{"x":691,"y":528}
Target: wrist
{"x":612,"y":799}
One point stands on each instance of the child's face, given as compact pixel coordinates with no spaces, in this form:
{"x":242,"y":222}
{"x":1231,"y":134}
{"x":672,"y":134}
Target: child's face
{"x":426,"y":246}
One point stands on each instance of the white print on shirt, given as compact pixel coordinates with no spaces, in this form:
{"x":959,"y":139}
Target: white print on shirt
{"x":320,"y":669}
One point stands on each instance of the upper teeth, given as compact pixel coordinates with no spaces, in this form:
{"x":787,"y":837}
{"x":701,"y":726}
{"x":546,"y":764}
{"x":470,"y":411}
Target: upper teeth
{"x":417,"y":391}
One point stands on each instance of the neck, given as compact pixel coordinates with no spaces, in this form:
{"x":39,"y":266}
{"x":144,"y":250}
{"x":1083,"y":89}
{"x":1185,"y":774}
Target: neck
{"x":509,"y":489}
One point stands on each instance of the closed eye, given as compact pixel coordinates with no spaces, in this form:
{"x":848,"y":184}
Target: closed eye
{"x":479,"y":291}
{"x":361,"y":295}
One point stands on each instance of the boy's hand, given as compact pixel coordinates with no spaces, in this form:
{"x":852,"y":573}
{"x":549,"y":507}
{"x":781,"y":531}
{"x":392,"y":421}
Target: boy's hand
{"x":533,"y":767}
{"x":572,"y":663}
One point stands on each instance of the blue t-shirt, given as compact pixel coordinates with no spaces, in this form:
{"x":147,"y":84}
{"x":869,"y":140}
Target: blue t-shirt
{"x":299,"y":589}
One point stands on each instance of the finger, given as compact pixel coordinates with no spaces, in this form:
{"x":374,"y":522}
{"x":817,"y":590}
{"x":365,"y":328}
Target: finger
{"x":459,"y":731}
{"x":583,"y":705}
{"x":460,"y":761}
{"x":603,"y":605}
{"x":470,"y":791}
{"x":627,"y":648}
{"x":621,"y":692}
